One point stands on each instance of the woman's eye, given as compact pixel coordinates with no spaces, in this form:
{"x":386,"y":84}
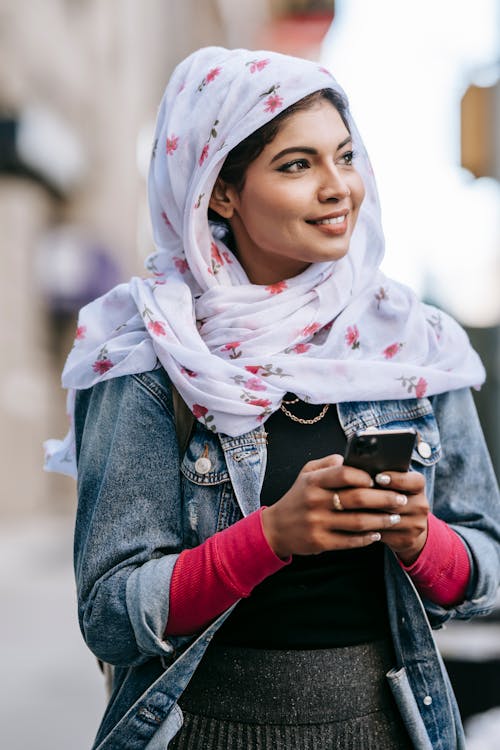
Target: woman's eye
{"x":348,"y":157}
{"x":297,"y":165}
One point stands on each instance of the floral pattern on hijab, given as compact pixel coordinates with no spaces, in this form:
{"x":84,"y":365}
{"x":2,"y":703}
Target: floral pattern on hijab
{"x":339,"y":331}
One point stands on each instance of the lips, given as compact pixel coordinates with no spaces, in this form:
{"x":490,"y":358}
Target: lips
{"x":337,"y":218}
{"x":331,"y":226}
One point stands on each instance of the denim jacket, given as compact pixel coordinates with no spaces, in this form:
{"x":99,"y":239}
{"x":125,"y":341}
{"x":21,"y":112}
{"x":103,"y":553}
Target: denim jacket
{"x":140,"y":504}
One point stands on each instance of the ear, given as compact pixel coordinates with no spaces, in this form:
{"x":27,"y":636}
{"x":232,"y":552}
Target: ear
{"x":223,"y":199}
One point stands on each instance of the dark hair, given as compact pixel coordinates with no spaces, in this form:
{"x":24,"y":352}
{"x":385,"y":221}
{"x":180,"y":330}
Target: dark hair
{"x":238,"y":159}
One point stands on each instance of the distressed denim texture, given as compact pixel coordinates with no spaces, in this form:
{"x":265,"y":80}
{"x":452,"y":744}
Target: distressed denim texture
{"x":140,"y":504}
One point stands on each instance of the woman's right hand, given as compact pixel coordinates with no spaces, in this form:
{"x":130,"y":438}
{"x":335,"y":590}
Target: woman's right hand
{"x":305,"y":522}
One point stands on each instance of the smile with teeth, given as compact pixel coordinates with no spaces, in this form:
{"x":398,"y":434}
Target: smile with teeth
{"x":335,"y":220}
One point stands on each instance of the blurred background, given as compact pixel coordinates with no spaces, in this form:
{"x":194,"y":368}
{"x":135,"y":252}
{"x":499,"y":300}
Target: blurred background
{"x":80,"y":83}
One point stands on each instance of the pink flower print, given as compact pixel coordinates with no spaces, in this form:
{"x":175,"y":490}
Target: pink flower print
{"x":232,"y":347}
{"x":254,"y":369}
{"x":206,"y":147}
{"x":189,"y":373}
{"x":301,"y":348}
{"x":181,"y":264}
{"x":391,"y":351}
{"x":352,"y":337}
{"x":198,"y":200}
{"x":203,"y":154}
{"x":273,"y":102}
{"x":255,"y":384}
{"x":328,"y":326}
{"x":257,"y":65}
{"x":102,"y":363}
{"x":217,"y":259}
{"x":311,"y":329}
{"x":212,"y":74}
{"x":264,"y":402}
{"x":172,"y":143}
{"x":214,"y":252}
{"x":199,"y":411}
{"x":226,"y":256}
{"x":325,"y":70}
{"x":165,"y":219}
{"x":80,"y":332}
{"x":421,"y":388}
{"x":157,"y":328}
{"x":277,"y":288}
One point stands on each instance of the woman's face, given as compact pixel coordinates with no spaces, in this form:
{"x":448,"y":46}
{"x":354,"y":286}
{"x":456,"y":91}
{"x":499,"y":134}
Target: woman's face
{"x":300,"y":200}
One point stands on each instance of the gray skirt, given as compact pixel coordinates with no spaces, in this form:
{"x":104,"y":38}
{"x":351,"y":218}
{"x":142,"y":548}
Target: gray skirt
{"x":260,"y":699}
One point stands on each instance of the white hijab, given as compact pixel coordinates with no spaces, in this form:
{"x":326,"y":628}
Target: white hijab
{"x":339,"y":331}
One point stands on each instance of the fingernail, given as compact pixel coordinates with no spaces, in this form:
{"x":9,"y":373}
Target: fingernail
{"x":375,"y":537}
{"x":383,"y":479}
{"x":401,"y":499}
{"x":394,"y":518}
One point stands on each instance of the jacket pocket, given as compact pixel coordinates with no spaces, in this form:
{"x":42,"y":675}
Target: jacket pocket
{"x":208,"y":497}
{"x":407,"y":705}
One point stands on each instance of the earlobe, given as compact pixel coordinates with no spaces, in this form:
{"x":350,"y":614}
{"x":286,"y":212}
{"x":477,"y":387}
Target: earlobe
{"x":221,"y":199}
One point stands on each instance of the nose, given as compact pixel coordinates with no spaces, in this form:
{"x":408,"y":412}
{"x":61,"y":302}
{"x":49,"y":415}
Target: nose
{"x":333,"y":185}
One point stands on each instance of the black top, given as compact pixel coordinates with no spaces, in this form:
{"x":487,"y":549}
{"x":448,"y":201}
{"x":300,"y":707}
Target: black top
{"x":318,"y":601}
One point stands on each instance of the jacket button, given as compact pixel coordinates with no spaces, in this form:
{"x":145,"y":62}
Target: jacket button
{"x":427,"y":700}
{"x":203,"y":465}
{"x":424,"y":449}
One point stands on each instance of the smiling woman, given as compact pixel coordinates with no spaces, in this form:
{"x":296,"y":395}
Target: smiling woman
{"x":299,"y":198}
{"x":252,"y":590}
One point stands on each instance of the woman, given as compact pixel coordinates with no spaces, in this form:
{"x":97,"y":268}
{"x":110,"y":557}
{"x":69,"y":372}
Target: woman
{"x":251,"y":578}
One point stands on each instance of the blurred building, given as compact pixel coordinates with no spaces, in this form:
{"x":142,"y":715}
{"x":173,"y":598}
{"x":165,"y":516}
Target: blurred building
{"x":79,"y":86}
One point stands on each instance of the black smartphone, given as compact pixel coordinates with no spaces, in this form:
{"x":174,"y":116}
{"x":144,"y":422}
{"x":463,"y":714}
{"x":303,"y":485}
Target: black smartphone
{"x":380,"y":450}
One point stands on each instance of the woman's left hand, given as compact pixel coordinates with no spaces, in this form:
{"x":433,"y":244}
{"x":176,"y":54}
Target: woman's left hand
{"x":408,"y":537}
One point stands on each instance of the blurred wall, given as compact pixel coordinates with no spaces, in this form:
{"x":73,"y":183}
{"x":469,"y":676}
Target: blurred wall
{"x":93,"y":74}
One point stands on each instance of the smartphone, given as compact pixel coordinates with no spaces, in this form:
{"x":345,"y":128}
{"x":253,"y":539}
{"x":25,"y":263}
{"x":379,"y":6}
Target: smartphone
{"x":380,"y":450}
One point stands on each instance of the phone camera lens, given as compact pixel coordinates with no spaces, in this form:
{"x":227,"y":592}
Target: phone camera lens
{"x":367,"y":446}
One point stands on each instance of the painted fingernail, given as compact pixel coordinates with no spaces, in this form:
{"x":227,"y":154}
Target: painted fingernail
{"x":401,"y":499}
{"x":383,"y":479}
{"x":375,"y":537}
{"x":394,"y":518}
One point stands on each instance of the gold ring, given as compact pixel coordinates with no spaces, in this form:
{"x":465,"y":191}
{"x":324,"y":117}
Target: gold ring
{"x":336,"y":502}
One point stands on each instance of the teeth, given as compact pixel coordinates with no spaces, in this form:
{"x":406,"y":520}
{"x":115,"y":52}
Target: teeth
{"x":336,"y":220}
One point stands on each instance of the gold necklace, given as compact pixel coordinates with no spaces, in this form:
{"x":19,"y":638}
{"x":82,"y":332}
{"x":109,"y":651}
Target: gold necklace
{"x":298,"y":419}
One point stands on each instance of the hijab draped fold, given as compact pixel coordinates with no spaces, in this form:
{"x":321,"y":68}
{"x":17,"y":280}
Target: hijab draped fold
{"x":339,"y":331}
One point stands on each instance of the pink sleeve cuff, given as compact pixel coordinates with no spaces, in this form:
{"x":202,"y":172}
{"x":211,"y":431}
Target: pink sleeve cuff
{"x":209,"y":578}
{"x":441,"y":572}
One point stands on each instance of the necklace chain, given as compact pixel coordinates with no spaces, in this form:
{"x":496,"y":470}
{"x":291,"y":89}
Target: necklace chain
{"x":304,"y":421}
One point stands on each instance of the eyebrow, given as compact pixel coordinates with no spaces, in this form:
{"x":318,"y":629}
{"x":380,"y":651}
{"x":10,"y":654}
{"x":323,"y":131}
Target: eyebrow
{"x":306,"y":149}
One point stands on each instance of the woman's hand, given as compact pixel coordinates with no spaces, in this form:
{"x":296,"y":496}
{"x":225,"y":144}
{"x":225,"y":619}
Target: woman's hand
{"x":305,"y":522}
{"x":408,"y":537}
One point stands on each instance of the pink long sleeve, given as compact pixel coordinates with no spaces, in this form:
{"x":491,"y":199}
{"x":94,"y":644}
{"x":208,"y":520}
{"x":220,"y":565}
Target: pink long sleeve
{"x":209,"y":578}
{"x":441,"y":572}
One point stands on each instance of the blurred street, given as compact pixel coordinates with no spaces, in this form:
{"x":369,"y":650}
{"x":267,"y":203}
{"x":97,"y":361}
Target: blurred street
{"x":52,"y":690}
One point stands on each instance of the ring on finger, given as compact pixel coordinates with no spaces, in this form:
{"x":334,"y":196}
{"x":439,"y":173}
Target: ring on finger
{"x":336,"y":502}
